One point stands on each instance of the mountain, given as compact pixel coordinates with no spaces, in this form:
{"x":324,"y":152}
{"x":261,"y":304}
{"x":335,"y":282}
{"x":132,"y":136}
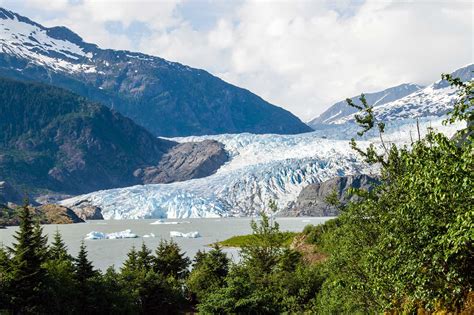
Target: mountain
{"x":312,"y":199}
{"x":341,"y":109}
{"x":434,"y":100}
{"x":55,"y":140}
{"x":167,"y":98}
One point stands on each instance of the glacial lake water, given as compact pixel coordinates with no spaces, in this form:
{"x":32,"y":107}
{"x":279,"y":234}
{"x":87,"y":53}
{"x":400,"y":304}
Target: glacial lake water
{"x":107,"y":252}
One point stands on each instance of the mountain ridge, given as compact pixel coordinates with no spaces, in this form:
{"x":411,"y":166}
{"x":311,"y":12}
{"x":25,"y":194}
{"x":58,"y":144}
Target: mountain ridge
{"x":167,"y":98}
{"x":434,"y":100}
{"x":341,"y":109}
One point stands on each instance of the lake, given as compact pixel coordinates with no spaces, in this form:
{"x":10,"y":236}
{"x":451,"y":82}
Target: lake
{"x":107,"y":252}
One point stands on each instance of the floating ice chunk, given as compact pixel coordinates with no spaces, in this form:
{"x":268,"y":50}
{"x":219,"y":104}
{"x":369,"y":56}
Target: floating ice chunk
{"x":123,"y":234}
{"x":151,"y":235}
{"x":94,"y":235}
{"x":161,"y":221}
{"x":186,"y":235}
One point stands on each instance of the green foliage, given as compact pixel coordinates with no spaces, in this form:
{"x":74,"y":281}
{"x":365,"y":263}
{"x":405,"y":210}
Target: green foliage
{"x":27,"y":275}
{"x":314,"y":233}
{"x":270,"y":279}
{"x":242,"y":240}
{"x":169,"y":260}
{"x":58,"y":250}
{"x":209,"y":272}
{"x":407,"y":244}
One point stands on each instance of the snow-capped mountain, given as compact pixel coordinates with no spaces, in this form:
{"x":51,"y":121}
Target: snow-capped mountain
{"x":341,"y":109}
{"x":261,"y":167}
{"x":434,"y":100}
{"x":167,"y":98}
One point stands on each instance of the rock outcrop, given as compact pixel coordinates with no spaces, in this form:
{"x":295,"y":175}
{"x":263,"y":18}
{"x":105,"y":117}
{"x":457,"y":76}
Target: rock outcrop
{"x":46,"y":214}
{"x":312,"y":199}
{"x":185,"y":161}
{"x":87,"y":211}
{"x":8,"y":194}
{"x":57,"y":214}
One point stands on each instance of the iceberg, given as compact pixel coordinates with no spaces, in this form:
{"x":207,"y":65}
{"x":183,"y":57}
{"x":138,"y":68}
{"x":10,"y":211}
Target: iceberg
{"x":161,"y":221}
{"x":185,"y":235}
{"x":94,"y":235}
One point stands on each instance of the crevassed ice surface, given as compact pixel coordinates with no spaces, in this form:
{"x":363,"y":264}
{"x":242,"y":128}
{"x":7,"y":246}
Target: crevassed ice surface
{"x":261,"y":167}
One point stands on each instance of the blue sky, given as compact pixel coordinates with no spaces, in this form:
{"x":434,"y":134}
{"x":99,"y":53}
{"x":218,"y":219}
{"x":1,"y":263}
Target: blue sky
{"x":301,"y":55}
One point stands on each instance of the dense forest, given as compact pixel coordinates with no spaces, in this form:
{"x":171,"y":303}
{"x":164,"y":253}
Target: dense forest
{"x":405,"y":247}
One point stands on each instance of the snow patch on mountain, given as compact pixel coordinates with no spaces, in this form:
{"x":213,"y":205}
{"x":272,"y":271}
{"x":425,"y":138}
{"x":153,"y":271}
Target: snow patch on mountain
{"x":433,"y":101}
{"x":26,"y":39}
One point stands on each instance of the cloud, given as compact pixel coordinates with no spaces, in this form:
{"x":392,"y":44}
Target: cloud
{"x":301,"y":55}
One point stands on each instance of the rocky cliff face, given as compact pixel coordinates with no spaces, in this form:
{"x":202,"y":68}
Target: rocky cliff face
{"x":312,"y":199}
{"x":55,"y":140}
{"x":167,"y":98}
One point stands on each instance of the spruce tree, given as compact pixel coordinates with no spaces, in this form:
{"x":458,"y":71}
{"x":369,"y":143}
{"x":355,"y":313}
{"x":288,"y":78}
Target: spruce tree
{"x":85,"y":275}
{"x":83,"y":267}
{"x":144,"y":258}
{"x":58,"y":250}
{"x":170,"y":261}
{"x":27,"y":275}
{"x":131,"y":264}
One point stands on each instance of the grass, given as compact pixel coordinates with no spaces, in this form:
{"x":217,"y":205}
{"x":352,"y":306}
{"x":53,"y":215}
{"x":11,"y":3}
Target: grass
{"x":241,"y":240}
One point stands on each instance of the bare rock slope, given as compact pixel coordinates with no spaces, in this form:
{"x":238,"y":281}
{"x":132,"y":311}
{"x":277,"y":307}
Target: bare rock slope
{"x":312,"y":199}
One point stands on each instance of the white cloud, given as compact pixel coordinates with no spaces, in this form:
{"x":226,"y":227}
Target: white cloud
{"x":301,"y":55}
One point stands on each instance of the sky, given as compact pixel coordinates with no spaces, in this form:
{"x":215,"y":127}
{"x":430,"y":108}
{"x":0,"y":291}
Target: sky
{"x":300,"y":55}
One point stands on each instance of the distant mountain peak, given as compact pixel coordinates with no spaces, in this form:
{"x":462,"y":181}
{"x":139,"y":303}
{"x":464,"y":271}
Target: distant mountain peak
{"x":341,"y":109}
{"x":410,"y":102}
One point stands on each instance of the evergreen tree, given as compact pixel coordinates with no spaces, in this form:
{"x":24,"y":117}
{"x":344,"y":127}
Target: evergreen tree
{"x":144,"y":258}
{"x":84,"y":274}
{"x":83,"y":267}
{"x":28,"y":275}
{"x":267,"y":247}
{"x":131,"y":264}
{"x":58,"y":250}
{"x":209,"y":272}
{"x":5,"y":273}
{"x":170,"y":261}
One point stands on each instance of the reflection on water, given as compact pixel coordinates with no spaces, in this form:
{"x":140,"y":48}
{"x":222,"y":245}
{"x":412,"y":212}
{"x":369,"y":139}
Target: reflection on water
{"x":105,"y":253}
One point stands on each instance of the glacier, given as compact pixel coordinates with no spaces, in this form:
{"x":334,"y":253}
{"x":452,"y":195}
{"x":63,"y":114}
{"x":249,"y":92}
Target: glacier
{"x":261,"y":167}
